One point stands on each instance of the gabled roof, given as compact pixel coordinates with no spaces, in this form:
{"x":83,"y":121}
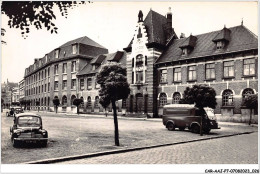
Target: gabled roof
{"x":154,"y":23}
{"x":83,"y":40}
{"x":118,"y":56}
{"x":241,"y":39}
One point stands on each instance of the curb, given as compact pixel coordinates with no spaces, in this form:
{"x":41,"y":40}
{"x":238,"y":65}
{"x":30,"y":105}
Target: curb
{"x":89,"y":155}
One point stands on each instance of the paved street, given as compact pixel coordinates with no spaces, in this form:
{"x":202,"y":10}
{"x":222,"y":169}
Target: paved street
{"x":241,"y":149}
{"x":75,"y":135}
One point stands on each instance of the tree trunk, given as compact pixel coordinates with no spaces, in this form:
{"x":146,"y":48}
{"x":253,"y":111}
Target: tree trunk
{"x":56,"y":109}
{"x":250,"y":117}
{"x":115,"y":123}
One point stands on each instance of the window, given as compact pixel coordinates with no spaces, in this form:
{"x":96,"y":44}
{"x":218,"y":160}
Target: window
{"x":73,"y":97}
{"x":74,"y":49}
{"x":73,"y":84}
{"x":64,"y":68}
{"x":56,"y":69}
{"x":124,"y":103}
{"x":97,"y":85}
{"x":42,"y":74}
{"x":162,"y":99}
{"x":73,"y":66}
{"x":49,"y":86}
{"x":133,"y":62}
{"x":139,"y":59}
{"x":48,"y":73}
{"x":246,"y":93}
{"x":133,"y":74}
{"x":210,"y":71}
{"x":249,"y":67}
{"x":45,"y":88}
{"x":229,"y":69}
{"x":81,"y":84}
{"x":220,"y":45}
{"x":139,"y":77}
{"x":227,"y":98}
{"x":163,"y":76}
{"x":96,"y":105}
{"x":42,"y":88}
{"x":82,"y":104}
{"x":184,"y":51}
{"x":89,"y":83}
{"x":89,"y":102}
{"x":45,"y":73}
{"x":56,"y":54}
{"x":64,"y":100}
{"x":176,"y":98}
{"x":177,"y":74}
{"x":39,"y":89}
{"x":192,"y":76}
{"x":56,"y":85}
{"x":64,"y":84}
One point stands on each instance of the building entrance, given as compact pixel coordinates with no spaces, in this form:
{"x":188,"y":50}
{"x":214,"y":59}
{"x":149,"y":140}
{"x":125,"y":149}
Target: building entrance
{"x":139,"y":103}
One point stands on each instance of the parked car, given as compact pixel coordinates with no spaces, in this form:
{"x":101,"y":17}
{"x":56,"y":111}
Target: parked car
{"x":188,"y":116}
{"x":28,"y":128}
{"x":10,"y":112}
{"x":18,"y":110}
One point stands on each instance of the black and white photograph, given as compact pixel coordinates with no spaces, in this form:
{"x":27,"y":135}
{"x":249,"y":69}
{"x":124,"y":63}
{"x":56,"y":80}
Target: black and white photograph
{"x":129,"y":87}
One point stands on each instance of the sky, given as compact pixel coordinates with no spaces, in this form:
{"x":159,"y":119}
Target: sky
{"x":112,"y":25}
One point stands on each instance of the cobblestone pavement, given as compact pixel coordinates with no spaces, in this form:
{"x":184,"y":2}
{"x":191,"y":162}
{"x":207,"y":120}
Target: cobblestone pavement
{"x":76,"y":135}
{"x":240,"y":149}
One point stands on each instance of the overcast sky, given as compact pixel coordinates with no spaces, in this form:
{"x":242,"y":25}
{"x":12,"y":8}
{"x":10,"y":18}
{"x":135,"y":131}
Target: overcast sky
{"x":112,"y":25}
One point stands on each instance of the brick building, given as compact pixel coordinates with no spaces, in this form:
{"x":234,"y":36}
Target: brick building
{"x":54,"y":75}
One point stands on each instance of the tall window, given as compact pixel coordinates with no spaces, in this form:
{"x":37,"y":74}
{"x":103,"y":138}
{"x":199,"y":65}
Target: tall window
{"x":177,"y":74}
{"x":227,"y":98}
{"x":45,"y":73}
{"x":45,"y":88}
{"x":48,"y":73}
{"x":56,"y":85}
{"x":64,"y":84}
{"x":176,"y":98}
{"x":249,"y":67}
{"x":64,"y":68}
{"x":229,"y":69}
{"x":96,"y":105}
{"x":56,"y":69}
{"x":82,"y":103}
{"x":210,"y":71}
{"x":73,"y":84}
{"x":81,"y":84}
{"x":64,"y":100}
{"x":89,"y":83}
{"x":139,"y":76}
{"x":73,"y":66}
{"x":163,"y":76}
{"x":42,"y":88}
{"x":89,"y":102}
{"x":139,"y":59}
{"x":56,"y":54}
{"x":162,"y":99}
{"x":49,"y":86}
{"x":74,"y":49}
{"x":192,"y":75}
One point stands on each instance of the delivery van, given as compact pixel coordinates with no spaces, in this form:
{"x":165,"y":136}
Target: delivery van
{"x":184,"y":116}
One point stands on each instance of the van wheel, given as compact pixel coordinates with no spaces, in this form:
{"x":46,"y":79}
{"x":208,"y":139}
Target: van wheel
{"x":170,"y":127}
{"x":181,"y":128}
{"x":195,"y":128}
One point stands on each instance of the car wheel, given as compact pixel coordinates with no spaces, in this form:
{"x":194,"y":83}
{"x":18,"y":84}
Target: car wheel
{"x":15,"y":143}
{"x":195,"y":129}
{"x":44,"y":143}
{"x":181,"y":128}
{"x":170,"y":127}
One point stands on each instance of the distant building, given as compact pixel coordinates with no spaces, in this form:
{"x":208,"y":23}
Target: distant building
{"x":21,"y":90}
{"x":15,"y":95}
{"x":6,"y":92}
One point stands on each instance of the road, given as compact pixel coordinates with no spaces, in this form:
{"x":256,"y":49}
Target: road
{"x":240,"y":149}
{"x":75,"y":135}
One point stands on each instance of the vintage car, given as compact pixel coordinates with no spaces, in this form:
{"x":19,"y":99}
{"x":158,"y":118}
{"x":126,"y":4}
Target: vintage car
{"x":185,"y":115}
{"x":27,"y":127}
{"x":18,"y":110}
{"x":10,"y":112}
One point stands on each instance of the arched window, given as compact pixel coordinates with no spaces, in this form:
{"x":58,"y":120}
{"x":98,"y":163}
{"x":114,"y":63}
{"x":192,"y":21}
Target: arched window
{"x":82,"y":104}
{"x":247,"y":92}
{"x":176,"y":98}
{"x":64,"y":100}
{"x":72,"y":99}
{"x":89,"y":102}
{"x":96,"y":105}
{"x":124,"y":103}
{"x":45,"y":101}
{"x":42,"y":102}
{"x":162,"y":99}
{"x":227,"y":98}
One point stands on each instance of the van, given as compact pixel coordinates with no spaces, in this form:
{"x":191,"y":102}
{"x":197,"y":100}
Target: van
{"x":183,"y":116}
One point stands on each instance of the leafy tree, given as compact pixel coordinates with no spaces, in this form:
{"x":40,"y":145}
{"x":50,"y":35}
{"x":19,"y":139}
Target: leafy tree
{"x":77,"y":102}
{"x":37,"y":104}
{"x":56,"y":103}
{"x":251,"y":102}
{"x":114,"y":86}
{"x":23,"y":14}
{"x":202,"y":96}
{"x":2,"y":104}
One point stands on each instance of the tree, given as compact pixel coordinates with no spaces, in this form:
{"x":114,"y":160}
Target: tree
{"x":114,"y":86}
{"x":37,"y":104}
{"x":56,"y":103}
{"x":27,"y":103}
{"x":23,"y":14}
{"x":77,"y":102}
{"x":251,"y":102}
{"x":202,"y":96}
{"x":2,"y":104}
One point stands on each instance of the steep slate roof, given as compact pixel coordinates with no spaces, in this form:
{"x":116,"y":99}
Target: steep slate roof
{"x":224,"y":34}
{"x":240,"y":39}
{"x":83,"y":40}
{"x":154,"y":23}
{"x":118,"y":56}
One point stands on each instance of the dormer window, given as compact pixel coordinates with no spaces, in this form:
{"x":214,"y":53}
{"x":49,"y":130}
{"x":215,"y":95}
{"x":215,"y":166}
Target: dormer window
{"x":222,"y":38}
{"x":74,"y":49}
{"x":188,"y":45}
{"x":56,"y":53}
{"x":46,"y":58}
{"x":93,"y":67}
{"x":184,"y":52}
{"x":220,"y":45}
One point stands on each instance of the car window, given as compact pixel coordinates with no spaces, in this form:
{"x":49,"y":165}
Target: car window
{"x":29,"y":120}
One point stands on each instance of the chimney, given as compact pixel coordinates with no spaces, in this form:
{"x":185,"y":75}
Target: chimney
{"x":169,"y":18}
{"x":140,"y":16}
{"x":182,"y":35}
